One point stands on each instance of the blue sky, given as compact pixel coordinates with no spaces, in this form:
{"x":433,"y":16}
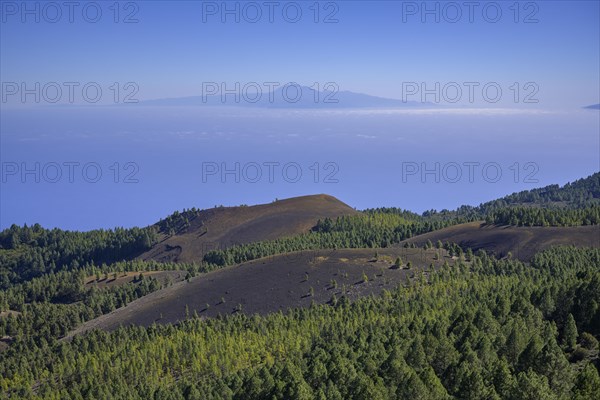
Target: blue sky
{"x":170,"y":51}
{"x":375,"y":47}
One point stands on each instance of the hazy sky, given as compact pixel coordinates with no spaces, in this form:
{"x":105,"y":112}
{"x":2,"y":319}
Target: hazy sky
{"x":363,"y":46}
{"x":539,"y":62}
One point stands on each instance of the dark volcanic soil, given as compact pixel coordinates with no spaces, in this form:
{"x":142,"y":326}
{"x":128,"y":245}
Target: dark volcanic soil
{"x":275,"y":283}
{"x":522,"y":242}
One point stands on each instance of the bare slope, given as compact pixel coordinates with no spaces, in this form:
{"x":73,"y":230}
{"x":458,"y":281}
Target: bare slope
{"x":274,"y":283}
{"x":522,"y":242}
{"x":225,"y":226}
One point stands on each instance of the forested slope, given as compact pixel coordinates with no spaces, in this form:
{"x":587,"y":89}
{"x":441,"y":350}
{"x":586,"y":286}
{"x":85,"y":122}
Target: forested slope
{"x":494,"y":329}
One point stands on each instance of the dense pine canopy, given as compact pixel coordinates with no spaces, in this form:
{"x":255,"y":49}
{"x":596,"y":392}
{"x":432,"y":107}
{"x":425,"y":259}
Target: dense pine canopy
{"x":484,"y":329}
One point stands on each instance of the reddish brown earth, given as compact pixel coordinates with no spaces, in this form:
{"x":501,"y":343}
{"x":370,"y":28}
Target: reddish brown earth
{"x":226,"y":226}
{"x":522,"y":242}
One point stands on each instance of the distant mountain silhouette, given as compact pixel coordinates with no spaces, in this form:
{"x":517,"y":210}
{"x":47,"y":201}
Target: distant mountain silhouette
{"x":290,"y":96}
{"x":593,"y":107}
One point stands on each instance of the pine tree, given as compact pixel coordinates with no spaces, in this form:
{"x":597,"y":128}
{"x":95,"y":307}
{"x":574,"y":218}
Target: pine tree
{"x":587,"y":384}
{"x":570,"y":333}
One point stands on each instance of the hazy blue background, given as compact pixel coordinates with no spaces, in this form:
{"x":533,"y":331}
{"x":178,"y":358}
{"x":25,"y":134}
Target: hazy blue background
{"x":170,"y":52}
